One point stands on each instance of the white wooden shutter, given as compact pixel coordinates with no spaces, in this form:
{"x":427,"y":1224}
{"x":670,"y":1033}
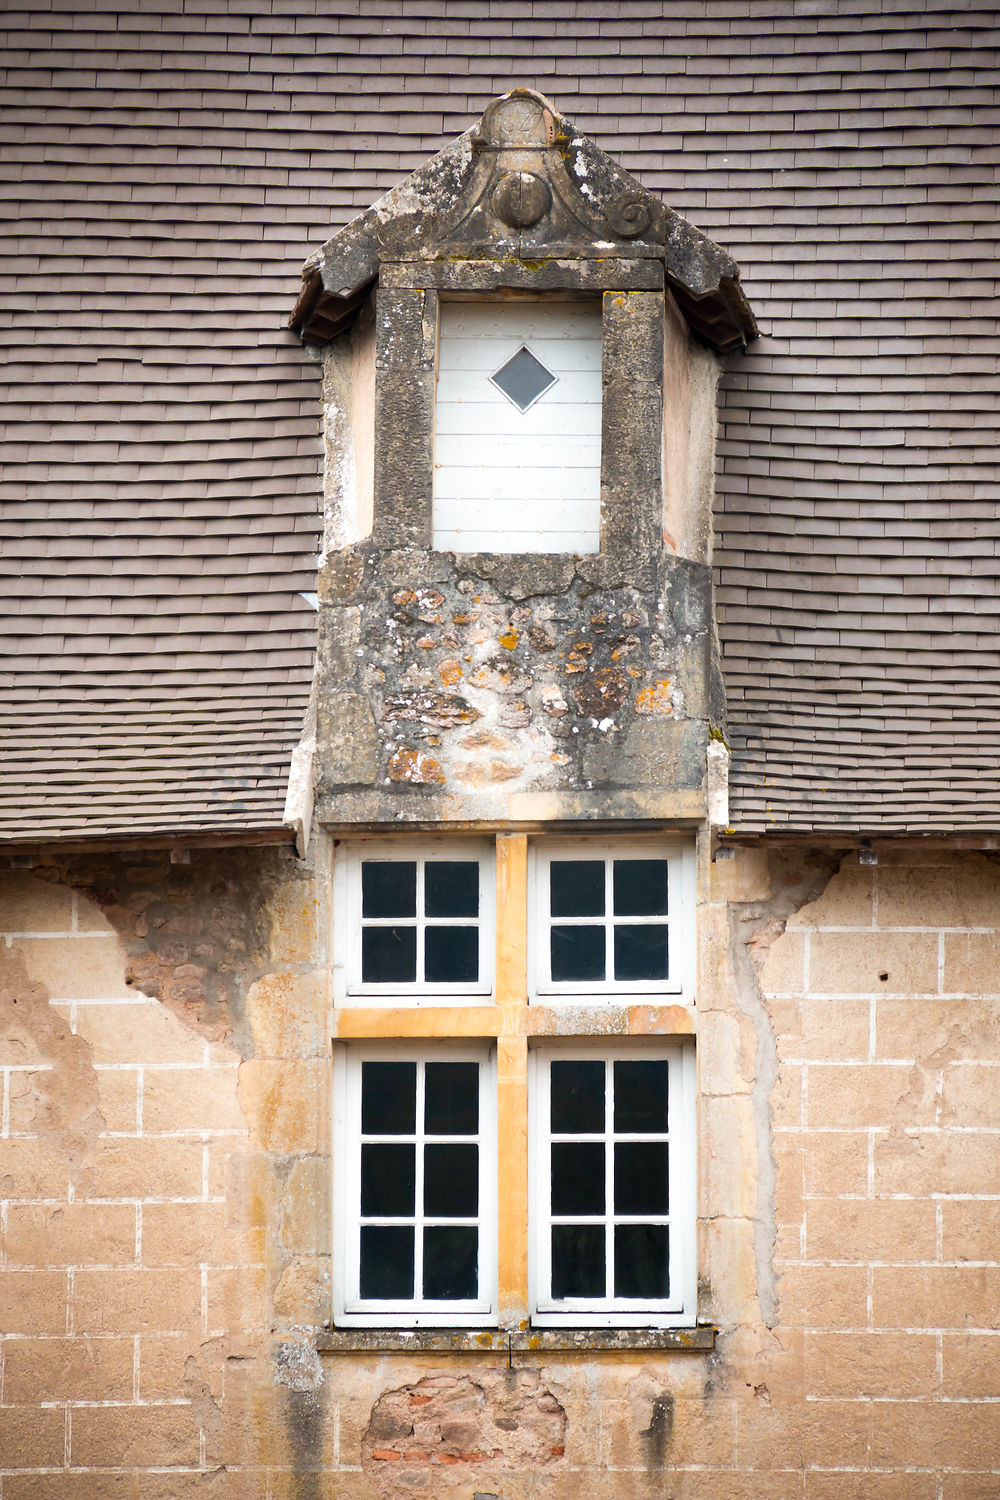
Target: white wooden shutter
{"x":507,"y":480}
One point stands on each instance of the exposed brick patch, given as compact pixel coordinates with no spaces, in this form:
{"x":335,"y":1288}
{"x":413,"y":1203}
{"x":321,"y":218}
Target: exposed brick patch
{"x":196,"y":935}
{"x":508,"y":1419}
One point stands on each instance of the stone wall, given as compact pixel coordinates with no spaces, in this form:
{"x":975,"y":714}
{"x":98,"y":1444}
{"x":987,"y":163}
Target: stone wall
{"x":164,"y":1186}
{"x":472,"y":689}
{"x":163,"y":1176}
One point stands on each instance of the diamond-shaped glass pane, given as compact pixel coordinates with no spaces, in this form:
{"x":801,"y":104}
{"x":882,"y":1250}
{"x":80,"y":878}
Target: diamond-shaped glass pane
{"x":523,"y":378}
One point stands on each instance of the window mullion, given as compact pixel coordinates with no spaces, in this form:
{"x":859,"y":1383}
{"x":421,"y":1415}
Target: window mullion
{"x":418,"y":1195}
{"x":421,"y":922}
{"x":609,"y":922}
{"x":609,"y":1181}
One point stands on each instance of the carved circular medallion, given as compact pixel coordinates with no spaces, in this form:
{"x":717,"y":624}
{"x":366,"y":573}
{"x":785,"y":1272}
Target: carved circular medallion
{"x":629,"y":215}
{"x":520,"y":199}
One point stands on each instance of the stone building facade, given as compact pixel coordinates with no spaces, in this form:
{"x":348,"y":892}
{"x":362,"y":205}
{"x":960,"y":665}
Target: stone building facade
{"x":189,"y":1304}
{"x":167,"y":1190}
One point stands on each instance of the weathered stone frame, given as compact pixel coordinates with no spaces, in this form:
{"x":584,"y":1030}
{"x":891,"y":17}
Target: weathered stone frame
{"x":406,"y":320}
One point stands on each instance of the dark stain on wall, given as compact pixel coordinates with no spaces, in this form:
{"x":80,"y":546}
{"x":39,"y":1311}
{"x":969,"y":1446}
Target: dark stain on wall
{"x":656,"y":1437}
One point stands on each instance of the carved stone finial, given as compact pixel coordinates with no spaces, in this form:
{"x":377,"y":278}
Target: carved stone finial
{"x":519,"y":120}
{"x":520,"y":199}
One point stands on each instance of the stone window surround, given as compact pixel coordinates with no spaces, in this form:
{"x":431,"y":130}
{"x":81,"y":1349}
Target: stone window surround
{"x":519,"y":1024}
{"x":633,"y":320}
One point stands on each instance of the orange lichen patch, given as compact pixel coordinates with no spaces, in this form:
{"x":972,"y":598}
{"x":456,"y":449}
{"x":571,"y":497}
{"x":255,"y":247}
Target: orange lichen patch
{"x":502,"y":771}
{"x":558,"y":759}
{"x":426,"y":643}
{"x":471,"y":775}
{"x":509,"y":639}
{"x":450,"y":672}
{"x":425,"y":603}
{"x":490,"y":676}
{"x":576,"y":661}
{"x":483,"y":741}
{"x":655,"y":699}
{"x":602,"y":691}
{"x":413,"y":766}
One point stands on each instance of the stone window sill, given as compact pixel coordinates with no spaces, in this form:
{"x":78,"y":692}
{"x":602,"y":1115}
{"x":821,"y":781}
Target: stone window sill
{"x":535,"y":1341}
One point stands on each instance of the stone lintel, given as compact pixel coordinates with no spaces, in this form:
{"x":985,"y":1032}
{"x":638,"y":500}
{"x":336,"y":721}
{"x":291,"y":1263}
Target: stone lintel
{"x":445,"y":811}
{"x":597,"y":271}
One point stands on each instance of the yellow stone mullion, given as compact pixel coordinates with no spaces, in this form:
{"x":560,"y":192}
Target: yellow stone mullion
{"x":512,"y":1075}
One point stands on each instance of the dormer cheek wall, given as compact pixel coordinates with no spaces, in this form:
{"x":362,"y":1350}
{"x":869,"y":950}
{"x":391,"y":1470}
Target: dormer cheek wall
{"x":482,"y":688}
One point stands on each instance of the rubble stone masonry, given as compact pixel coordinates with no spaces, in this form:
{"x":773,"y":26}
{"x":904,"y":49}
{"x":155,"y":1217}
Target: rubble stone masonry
{"x":164,"y":1192}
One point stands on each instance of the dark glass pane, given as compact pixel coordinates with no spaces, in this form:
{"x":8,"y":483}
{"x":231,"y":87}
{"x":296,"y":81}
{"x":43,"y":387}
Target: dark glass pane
{"x":577,"y":1097}
{"x":523,"y":378}
{"x":578,"y":1178}
{"x":578,"y":1260}
{"x":577,"y":887}
{"x":577,"y":953}
{"x":451,"y":888}
{"x":451,"y":1098}
{"x":388,"y":1098}
{"x":451,"y":1269}
{"x":388,"y":888}
{"x":387,"y":1261}
{"x":451,"y":1182}
{"x":388,"y":955}
{"x":451,"y":955}
{"x":642,"y":1266}
{"x":387,"y":1181}
{"x":641,"y":1097}
{"x":641,"y":1177}
{"x":641,"y":952}
{"x":640,"y":887}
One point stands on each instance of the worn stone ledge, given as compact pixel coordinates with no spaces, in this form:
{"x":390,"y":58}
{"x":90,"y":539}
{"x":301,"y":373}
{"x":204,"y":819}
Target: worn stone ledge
{"x":537,"y":1341}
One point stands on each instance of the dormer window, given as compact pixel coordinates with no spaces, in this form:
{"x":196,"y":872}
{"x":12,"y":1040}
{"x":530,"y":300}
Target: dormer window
{"x":517,"y":452}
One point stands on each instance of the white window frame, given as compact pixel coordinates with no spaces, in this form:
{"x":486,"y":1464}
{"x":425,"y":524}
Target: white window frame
{"x":348,"y":987}
{"x":530,"y":483}
{"x":349,"y":1309}
{"x":680,"y":1309}
{"x":679,"y":919}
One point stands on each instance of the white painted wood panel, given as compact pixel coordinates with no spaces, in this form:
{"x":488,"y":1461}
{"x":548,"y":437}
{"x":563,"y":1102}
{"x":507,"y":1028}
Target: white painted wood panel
{"x":507,"y":480}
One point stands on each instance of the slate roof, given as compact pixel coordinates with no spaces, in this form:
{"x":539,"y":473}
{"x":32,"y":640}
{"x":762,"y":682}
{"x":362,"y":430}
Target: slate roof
{"x":166,"y":173}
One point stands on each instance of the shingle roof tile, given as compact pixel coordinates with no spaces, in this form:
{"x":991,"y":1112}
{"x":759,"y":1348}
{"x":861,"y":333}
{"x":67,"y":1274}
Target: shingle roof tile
{"x":164,"y":176}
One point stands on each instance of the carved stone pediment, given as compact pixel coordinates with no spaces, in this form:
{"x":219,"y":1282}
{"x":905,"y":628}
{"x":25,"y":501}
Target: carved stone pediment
{"x":535,"y":188}
{"x":522,"y":187}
